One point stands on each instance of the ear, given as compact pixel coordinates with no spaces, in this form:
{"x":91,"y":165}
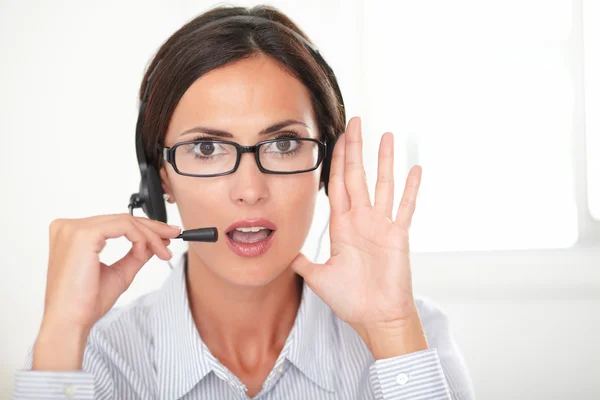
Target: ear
{"x":166,"y":184}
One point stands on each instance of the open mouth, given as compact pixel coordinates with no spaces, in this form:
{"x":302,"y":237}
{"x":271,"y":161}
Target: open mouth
{"x":249,"y":235}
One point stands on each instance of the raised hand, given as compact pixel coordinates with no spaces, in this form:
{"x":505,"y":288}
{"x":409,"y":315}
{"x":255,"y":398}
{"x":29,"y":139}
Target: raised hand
{"x":367,"y":279}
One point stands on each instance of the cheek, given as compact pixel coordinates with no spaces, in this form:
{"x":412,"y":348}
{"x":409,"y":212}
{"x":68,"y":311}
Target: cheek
{"x":196,"y":195}
{"x":296,"y":198}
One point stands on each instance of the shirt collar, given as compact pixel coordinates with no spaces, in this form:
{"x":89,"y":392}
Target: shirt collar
{"x":183,"y":360}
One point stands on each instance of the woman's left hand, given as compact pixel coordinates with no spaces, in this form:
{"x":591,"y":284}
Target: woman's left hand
{"x":367,"y":279}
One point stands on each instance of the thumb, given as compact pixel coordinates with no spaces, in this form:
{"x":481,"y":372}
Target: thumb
{"x":116,"y":279}
{"x":303,"y":267}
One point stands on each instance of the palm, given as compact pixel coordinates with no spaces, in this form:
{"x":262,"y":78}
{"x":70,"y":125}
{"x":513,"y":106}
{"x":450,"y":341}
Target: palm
{"x":356,"y":269}
{"x":367,"y":279}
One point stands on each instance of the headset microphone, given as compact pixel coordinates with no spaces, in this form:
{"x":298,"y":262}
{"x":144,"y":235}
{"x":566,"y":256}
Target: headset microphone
{"x":199,"y":235}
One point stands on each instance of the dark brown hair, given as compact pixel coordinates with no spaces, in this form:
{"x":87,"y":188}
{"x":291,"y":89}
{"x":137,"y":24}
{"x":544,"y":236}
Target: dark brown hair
{"x":192,"y":52}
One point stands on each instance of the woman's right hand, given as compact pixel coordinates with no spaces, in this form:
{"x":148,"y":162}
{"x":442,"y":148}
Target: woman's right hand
{"x":80,"y":289}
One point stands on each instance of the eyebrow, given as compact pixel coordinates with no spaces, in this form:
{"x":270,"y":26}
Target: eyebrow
{"x":220,"y":133}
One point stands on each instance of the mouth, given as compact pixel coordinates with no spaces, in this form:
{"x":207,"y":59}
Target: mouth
{"x":250,"y":237}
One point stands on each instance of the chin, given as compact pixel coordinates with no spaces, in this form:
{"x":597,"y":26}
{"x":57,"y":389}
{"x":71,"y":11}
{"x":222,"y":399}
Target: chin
{"x":258,"y":271}
{"x":257,"y":275}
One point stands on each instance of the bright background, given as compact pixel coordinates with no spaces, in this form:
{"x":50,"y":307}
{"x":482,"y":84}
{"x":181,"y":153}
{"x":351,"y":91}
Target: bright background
{"x":499,"y":101}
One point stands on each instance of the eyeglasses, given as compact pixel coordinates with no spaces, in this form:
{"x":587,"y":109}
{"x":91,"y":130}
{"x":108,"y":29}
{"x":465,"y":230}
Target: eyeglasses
{"x":208,"y":157}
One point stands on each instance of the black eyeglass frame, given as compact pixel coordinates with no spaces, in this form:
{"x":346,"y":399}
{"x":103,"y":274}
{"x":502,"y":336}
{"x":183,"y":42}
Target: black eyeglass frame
{"x":169,"y":155}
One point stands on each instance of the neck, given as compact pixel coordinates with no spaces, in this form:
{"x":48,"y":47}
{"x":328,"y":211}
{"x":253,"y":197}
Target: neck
{"x":232,"y":319}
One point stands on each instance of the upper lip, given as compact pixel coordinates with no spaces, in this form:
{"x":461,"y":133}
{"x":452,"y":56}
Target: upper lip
{"x":250,"y":222}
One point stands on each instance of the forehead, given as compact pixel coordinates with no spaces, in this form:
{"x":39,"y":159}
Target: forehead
{"x":243,"y":98}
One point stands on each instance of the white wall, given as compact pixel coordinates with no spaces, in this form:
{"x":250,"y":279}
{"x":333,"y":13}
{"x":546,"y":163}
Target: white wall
{"x":527,"y":321}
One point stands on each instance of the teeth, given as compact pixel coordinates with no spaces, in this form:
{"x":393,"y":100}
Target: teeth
{"x":251,"y":229}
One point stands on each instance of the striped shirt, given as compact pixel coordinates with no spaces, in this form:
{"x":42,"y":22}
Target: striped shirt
{"x":151,"y":349}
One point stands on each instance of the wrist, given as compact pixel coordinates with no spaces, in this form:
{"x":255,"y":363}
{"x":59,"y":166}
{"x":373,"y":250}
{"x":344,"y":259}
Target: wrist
{"x":396,"y":338}
{"x":58,"y":348}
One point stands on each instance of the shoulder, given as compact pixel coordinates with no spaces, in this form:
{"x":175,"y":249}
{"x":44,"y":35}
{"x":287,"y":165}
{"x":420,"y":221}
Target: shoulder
{"x":125,"y":332}
{"x":134,"y":318}
{"x":440,"y":337}
{"x":435,"y":321}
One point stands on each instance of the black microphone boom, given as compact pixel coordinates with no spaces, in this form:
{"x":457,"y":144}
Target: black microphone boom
{"x":199,"y":235}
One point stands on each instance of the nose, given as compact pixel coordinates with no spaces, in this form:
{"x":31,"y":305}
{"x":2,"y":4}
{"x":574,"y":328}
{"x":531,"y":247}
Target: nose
{"x":249,"y":184}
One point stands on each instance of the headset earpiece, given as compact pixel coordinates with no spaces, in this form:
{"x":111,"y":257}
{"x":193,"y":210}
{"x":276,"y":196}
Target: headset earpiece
{"x":154,"y":203}
{"x":150,"y":195}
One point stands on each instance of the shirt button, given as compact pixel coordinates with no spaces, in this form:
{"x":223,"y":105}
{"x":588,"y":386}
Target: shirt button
{"x":401,"y":378}
{"x":279,"y":370}
{"x":69,"y":391}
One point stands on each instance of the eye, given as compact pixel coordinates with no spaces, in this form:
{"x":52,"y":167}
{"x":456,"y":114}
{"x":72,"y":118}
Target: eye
{"x":282,"y":146}
{"x":207,"y":149}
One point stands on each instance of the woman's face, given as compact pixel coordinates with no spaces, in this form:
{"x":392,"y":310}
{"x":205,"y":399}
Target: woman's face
{"x":243,"y":99}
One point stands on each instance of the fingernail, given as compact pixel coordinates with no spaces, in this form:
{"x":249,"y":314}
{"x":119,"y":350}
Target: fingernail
{"x":170,"y":252}
{"x":176,"y":227}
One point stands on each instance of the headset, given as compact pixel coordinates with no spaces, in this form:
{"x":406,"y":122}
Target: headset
{"x":150,"y":196}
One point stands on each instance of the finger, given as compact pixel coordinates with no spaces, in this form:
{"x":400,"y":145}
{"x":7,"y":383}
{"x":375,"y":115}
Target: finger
{"x":118,"y":277}
{"x":338,"y":196}
{"x":384,"y":188}
{"x":122,"y":272}
{"x":155,"y":242}
{"x":134,"y":229}
{"x":354,"y":176}
{"x":406,"y":209}
{"x":163,"y":230}
{"x":117,"y":226}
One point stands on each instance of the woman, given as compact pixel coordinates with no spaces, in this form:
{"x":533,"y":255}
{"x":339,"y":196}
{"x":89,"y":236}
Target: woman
{"x":248,"y":316}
